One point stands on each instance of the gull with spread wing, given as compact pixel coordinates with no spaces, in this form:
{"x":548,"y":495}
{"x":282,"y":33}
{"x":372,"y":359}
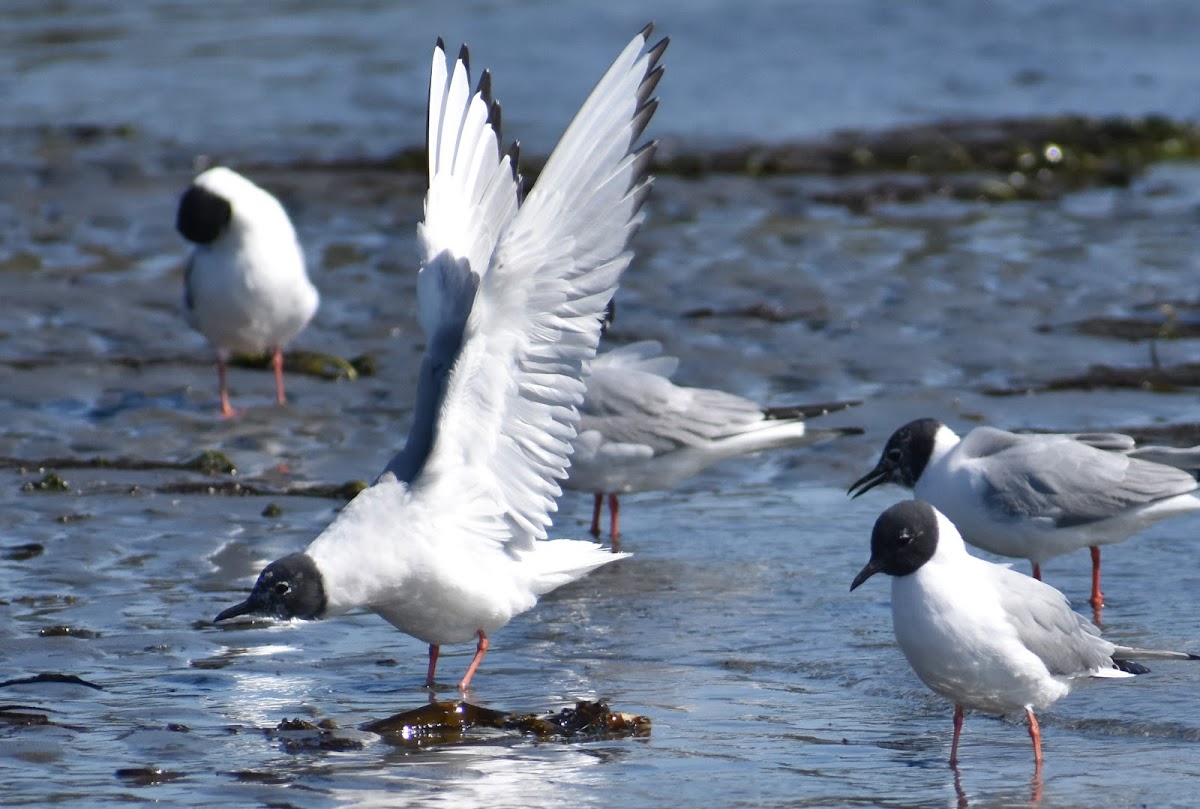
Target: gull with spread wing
{"x":449,"y":542}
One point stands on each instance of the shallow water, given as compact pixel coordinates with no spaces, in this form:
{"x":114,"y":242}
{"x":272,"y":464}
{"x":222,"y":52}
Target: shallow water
{"x":731,"y":627}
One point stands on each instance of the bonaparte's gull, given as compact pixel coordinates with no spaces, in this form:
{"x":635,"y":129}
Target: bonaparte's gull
{"x":1032,"y":496}
{"x":449,"y":542}
{"x":980,"y":634}
{"x":638,"y":431}
{"x":245,"y":286}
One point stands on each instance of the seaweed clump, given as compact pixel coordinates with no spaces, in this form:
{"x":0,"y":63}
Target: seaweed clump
{"x":52,"y":482}
{"x":311,"y":363}
{"x":447,"y":722}
{"x":1167,"y":379}
{"x":300,"y":735}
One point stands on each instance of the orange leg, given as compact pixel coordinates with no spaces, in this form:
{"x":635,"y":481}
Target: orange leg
{"x":277,"y":364}
{"x":480,"y":649}
{"x":614,"y":510}
{"x":1035,"y":733}
{"x":433,"y":656}
{"x":958,"y":723}
{"x":597,"y":507}
{"x":1097,"y":596}
{"x":1037,"y":571}
{"x":227,"y":410}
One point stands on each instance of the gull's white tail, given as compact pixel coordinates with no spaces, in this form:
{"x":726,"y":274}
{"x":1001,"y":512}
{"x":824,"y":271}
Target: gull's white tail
{"x":556,"y":562}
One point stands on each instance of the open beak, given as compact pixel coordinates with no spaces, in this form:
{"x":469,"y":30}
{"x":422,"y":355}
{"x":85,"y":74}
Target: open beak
{"x":867,"y":572}
{"x":880,"y":474}
{"x":245,"y":607}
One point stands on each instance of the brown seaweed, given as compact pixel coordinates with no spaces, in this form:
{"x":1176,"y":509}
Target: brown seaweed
{"x":1169,"y":379}
{"x":447,"y":722}
{"x":147,"y":776}
{"x":310,"y":363}
{"x":999,"y":159}
{"x":301,"y":735}
{"x":208,"y":462}
{"x":51,"y":677}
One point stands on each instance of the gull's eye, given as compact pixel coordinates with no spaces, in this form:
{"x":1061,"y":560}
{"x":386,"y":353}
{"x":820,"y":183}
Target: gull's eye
{"x":894,"y":454}
{"x":904,"y":540}
{"x":282,"y":588}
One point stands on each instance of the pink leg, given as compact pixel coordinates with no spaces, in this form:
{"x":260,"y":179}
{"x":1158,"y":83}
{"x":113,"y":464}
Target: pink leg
{"x":597,"y":506}
{"x":480,"y":649}
{"x":433,"y":656}
{"x":227,"y":410}
{"x":1035,"y":733}
{"x":958,"y":723}
{"x":1037,"y":571}
{"x":277,"y":364}
{"x":1097,"y":596}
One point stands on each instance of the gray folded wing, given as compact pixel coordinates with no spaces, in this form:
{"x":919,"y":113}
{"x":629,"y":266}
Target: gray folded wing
{"x":1055,"y":478}
{"x":631,"y":400}
{"x":1067,"y":643}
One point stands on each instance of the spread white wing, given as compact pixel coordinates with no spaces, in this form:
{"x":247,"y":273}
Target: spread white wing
{"x":474,"y":191}
{"x":512,"y":305}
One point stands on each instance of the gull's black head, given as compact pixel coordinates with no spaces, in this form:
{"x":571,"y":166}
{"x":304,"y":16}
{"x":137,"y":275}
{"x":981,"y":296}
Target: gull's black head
{"x":203,"y":215}
{"x":290,"y":587}
{"x":904,"y":458}
{"x":904,"y":538}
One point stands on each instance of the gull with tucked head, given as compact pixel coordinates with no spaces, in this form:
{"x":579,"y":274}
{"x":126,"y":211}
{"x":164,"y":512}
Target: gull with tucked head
{"x":245,"y":285}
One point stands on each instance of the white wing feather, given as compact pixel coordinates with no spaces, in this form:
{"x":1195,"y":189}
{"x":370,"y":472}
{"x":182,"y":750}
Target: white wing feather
{"x":510,"y":407}
{"x":473,"y":188}
{"x":474,"y":192}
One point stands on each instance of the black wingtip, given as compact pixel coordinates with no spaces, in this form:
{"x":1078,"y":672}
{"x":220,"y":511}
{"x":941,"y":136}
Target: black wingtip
{"x":641,"y":119}
{"x":808,"y":411}
{"x":514,"y":164}
{"x":496,"y":122}
{"x":649,"y":83}
{"x":464,"y":56}
{"x":485,"y":87}
{"x":657,"y":51}
{"x":514,"y":157}
{"x":639,"y":175}
{"x":1129,"y":667}
{"x":440,"y":45}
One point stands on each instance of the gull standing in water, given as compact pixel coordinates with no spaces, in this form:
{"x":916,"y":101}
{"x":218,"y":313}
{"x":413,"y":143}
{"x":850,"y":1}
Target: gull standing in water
{"x":449,"y":542}
{"x":639,"y":431}
{"x":983,"y":635}
{"x":245,"y":286}
{"x":1032,"y":496}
